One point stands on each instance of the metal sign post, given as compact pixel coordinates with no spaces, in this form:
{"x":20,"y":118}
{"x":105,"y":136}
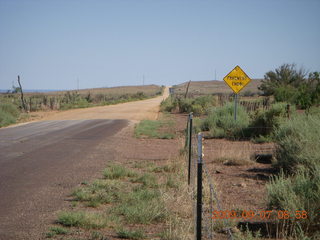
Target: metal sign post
{"x":235,"y":106}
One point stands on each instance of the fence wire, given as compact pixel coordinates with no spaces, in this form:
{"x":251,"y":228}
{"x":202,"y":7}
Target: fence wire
{"x":210,"y":198}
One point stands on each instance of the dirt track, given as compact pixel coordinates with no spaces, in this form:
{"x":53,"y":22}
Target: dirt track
{"x":41,"y":162}
{"x":146,"y":109}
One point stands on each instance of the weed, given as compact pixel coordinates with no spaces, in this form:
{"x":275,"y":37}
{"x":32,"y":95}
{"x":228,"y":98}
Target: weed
{"x":171,"y":182}
{"x":117,"y":172}
{"x":59,"y":230}
{"x":147,"y":180}
{"x":99,"y":192}
{"x":81,"y":219}
{"x":130,"y":234}
{"x":97,"y":236}
{"x":142,"y":206}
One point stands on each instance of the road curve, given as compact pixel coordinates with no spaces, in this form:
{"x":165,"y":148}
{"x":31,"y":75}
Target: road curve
{"x":40,"y":163}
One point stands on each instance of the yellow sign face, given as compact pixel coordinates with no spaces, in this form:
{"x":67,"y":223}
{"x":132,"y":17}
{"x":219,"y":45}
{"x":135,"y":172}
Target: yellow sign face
{"x":237,"y":79}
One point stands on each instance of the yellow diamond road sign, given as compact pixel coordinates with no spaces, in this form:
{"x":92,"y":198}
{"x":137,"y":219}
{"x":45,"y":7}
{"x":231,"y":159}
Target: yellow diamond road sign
{"x":237,"y":79}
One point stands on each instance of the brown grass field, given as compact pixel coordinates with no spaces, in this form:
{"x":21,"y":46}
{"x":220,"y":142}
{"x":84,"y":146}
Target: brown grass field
{"x":214,"y":87}
{"x":112,"y":91}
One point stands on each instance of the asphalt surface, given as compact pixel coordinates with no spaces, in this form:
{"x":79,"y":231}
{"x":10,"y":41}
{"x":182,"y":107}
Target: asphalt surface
{"x":40,"y":163}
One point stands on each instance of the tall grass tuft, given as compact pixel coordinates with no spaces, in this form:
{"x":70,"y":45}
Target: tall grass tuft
{"x":221,"y":123}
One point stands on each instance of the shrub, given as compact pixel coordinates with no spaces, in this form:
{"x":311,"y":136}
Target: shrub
{"x":198,"y":106}
{"x":221,"y":123}
{"x":297,"y":193}
{"x":297,"y":188}
{"x":168,"y":105}
{"x":298,"y":143}
{"x":264,"y":122}
{"x":8,"y":114}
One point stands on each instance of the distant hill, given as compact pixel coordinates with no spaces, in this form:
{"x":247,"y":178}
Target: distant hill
{"x":214,"y":87}
{"x":31,"y":90}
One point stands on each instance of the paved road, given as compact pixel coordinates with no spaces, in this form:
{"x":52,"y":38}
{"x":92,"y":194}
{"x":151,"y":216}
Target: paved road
{"x":40,"y":163}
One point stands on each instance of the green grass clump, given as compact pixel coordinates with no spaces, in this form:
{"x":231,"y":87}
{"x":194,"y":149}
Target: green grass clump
{"x":152,"y":129}
{"x":99,"y":192}
{"x":221,"y":124}
{"x":147,"y":180}
{"x":9,"y":114}
{"x":130,"y":234}
{"x":82,"y":219}
{"x":143,"y":206}
{"x":59,"y":230}
{"x":116,"y":171}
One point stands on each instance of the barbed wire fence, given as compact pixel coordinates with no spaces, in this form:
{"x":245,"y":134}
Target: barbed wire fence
{"x":202,"y":189}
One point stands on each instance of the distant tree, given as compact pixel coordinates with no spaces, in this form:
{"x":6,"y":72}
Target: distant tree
{"x":287,"y":84}
{"x":314,"y":83}
{"x":283,"y":77}
{"x":15,"y":89}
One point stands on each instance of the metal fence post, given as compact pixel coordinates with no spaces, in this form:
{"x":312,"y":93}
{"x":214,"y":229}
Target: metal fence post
{"x":235,"y":106}
{"x":190,"y":148}
{"x":199,"y":189}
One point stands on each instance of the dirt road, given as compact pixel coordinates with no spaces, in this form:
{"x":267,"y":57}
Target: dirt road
{"x":146,"y":109}
{"x":41,"y":162}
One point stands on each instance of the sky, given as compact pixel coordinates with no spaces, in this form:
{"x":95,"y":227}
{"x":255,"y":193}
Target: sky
{"x":63,"y":44}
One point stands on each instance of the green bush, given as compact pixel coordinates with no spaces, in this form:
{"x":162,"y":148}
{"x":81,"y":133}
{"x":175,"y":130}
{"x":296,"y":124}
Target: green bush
{"x":168,"y":105}
{"x":300,"y":192}
{"x":298,"y":143}
{"x":297,"y":187}
{"x":264,"y":122}
{"x":221,"y":123}
{"x":198,"y":106}
{"x":8,"y":114}
{"x":285,"y":94}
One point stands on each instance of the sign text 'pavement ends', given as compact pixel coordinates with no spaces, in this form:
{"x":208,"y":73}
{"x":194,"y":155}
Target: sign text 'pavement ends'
{"x":237,"y":79}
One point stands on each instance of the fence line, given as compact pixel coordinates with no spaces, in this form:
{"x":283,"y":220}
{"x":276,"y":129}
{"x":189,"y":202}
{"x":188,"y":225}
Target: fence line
{"x":204,"y":195}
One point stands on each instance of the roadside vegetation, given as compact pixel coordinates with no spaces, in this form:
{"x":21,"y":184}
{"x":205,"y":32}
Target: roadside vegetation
{"x":140,"y":200}
{"x":289,"y":117}
{"x":163,"y":128}
{"x":9,"y":114}
{"x":296,"y":86}
{"x":12,"y":110}
{"x":297,"y":187}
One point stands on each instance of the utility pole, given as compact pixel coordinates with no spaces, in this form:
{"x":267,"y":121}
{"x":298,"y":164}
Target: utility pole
{"x":143,"y":79}
{"x":215,"y":74}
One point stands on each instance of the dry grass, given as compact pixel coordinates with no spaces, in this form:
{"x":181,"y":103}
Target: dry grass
{"x":213,"y":87}
{"x":239,"y":152}
{"x":147,"y":89}
{"x":179,"y":203}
